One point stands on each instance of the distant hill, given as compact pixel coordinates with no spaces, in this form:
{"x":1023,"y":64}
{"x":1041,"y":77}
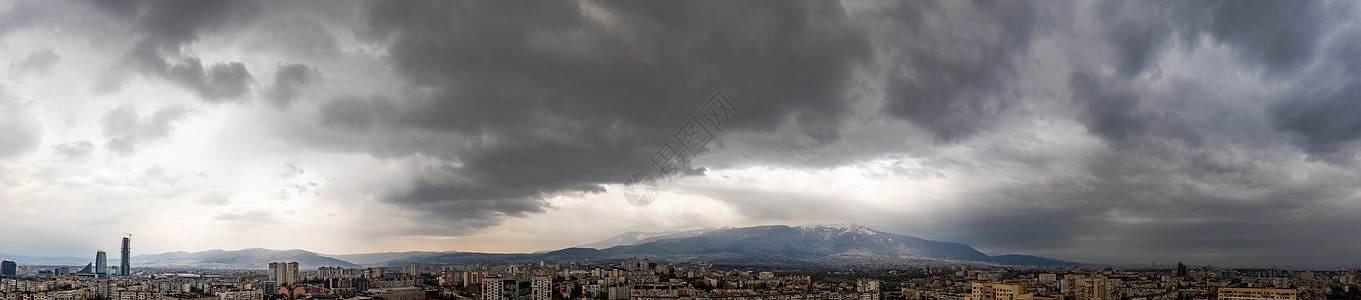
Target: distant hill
{"x":381,"y":257}
{"x":809,"y":244}
{"x":254,"y":258}
{"x":819,"y":244}
{"x":635,"y":237}
{"x":54,"y":260}
{"x":1029,"y":260}
{"x":625,"y":239}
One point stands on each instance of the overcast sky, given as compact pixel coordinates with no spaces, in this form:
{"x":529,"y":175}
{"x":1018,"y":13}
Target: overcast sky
{"x":1142,"y":131}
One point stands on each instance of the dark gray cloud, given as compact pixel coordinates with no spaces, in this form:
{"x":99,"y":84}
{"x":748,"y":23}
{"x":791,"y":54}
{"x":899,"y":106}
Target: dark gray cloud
{"x":170,"y":28}
{"x":288,"y":82}
{"x":218,"y":82}
{"x":1186,"y":164}
{"x":1322,"y":113}
{"x":1112,"y":113}
{"x":1281,"y":36}
{"x":1139,"y":31}
{"x":949,"y":72}
{"x":357,"y":114}
{"x":526,"y":114}
{"x":127,"y":130}
{"x":1324,"y":120}
{"x":38,"y":62}
{"x":1162,"y":201}
{"x":610,"y":82}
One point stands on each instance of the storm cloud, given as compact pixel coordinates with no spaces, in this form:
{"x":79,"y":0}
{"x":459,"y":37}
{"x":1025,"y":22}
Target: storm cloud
{"x":289,"y":80}
{"x":168,"y":27}
{"x":1212,"y":132}
{"x":950,"y":65}
{"x":613,"y":81}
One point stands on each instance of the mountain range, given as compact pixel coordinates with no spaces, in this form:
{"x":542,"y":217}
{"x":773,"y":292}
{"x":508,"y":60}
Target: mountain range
{"x":254,"y":258}
{"x":635,"y":237}
{"x":814,"y":245}
{"x":778,"y":244}
{"x":375,"y":259}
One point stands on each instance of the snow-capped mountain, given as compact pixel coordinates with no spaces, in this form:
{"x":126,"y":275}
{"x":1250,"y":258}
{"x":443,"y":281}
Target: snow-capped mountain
{"x":816,"y":244}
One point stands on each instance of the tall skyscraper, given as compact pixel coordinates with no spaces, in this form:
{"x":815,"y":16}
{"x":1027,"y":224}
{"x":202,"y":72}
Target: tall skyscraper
{"x":101,"y":263}
{"x":1181,"y":270}
{"x":124,"y":266}
{"x":9,"y":268}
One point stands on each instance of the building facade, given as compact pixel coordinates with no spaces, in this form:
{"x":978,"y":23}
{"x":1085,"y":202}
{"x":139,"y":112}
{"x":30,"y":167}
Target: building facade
{"x":997,"y":291}
{"x":101,"y":263}
{"x":9,"y":268}
{"x":283,"y":273}
{"x":125,"y":265}
{"x":1257,"y":294}
{"x":541,"y":288}
{"x":1096,"y":288}
{"x":492,"y":288}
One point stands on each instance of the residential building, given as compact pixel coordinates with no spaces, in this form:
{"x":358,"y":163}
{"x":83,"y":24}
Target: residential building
{"x":1257,"y":294}
{"x":492,"y":288}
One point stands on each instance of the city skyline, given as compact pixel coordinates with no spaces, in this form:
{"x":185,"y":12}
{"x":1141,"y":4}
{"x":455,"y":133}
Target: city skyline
{"x":185,"y":259}
{"x":1213,"y":133}
{"x":632,"y":278}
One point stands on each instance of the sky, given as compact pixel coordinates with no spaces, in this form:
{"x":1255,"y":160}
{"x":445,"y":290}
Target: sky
{"x":1206,"y":132}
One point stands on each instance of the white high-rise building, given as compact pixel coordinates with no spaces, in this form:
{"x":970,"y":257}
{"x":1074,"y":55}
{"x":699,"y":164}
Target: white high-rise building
{"x":492,"y":288}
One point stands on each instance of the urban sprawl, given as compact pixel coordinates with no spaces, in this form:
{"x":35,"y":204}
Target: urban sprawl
{"x":636,"y":279}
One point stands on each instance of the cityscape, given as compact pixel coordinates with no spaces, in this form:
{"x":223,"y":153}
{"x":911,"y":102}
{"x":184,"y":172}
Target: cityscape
{"x":618,"y":278}
{"x":680,"y":150}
